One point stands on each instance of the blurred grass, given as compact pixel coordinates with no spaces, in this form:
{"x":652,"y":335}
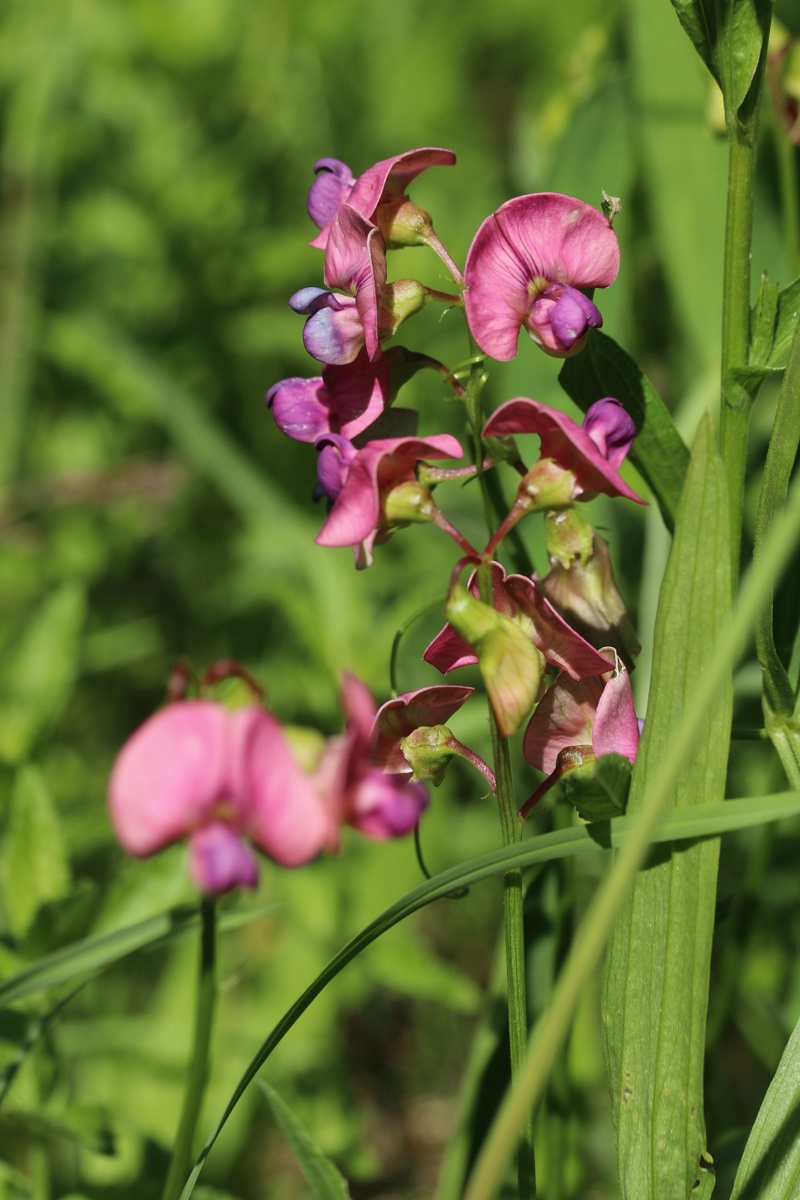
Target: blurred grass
{"x":155,"y":160}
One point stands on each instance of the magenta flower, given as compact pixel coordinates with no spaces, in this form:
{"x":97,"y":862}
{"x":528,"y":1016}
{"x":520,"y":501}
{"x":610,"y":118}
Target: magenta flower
{"x":592,"y":452}
{"x":525,"y":268}
{"x":346,"y":400}
{"x":377,"y":194}
{"x":596,"y":713}
{"x":378,"y":792}
{"x":225,"y":780}
{"x":361,"y":482}
{"x":519,"y":598}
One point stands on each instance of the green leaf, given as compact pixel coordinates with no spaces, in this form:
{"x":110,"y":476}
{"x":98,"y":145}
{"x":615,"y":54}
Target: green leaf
{"x":35,"y":863}
{"x":86,"y":1125}
{"x":703,"y":821}
{"x":785,"y":325}
{"x":602,"y":791}
{"x":770,"y":1166}
{"x":659,"y":453}
{"x":324,"y":1178}
{"x":728,"y":35}
{"x":655,"y":991}
{"x":39,"y":673}
{"x":92,"y":955}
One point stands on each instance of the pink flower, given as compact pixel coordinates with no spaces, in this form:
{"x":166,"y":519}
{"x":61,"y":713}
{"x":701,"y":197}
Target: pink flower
{"x":597,"y":713}
{"x":378,"y":793}
{"x":591,"y":452}
{"x":525,"y":267}
{"x":227,"y":781}
{"x":360,"y":482}
{"x":518,"y":597}
{"x":345,"y":399}
{"x":377,"y":194}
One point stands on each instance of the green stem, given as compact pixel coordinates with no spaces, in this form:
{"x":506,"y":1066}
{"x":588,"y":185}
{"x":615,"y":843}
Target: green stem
{"x":182,"y":1157}
{"x":516,"y":979}
{"x":784,"y":441}
{"x":737,"y":399}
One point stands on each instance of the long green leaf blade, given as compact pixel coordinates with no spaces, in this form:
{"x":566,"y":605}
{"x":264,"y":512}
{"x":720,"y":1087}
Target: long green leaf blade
{"x":656,"y":979}
{"x":728,"y":35}
{"x":770,"y":1166}
{"x":324,"y":1177}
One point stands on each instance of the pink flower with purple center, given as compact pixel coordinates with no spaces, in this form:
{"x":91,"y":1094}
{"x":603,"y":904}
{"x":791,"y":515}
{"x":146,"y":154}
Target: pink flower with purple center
{"x":359,"y":482}
{"x":346,"y":399}
{"x":228,"y":782}
{"x":592,"y":452}
{"x":525,"y":268}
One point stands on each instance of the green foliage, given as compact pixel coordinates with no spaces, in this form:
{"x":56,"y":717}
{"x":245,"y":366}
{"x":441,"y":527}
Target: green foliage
{"x":770,"y":1165}
{"x":728,"y":37}
{"x":326,"y":1182}
{"x":655,"y":991}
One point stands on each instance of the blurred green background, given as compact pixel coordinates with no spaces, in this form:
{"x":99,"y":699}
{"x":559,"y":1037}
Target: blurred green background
{"x":156,"y":156}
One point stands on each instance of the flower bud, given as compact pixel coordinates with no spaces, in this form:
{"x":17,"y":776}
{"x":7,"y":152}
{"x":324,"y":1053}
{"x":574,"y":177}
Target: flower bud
{"x":428,"y":751}
{"x":407,"y":502}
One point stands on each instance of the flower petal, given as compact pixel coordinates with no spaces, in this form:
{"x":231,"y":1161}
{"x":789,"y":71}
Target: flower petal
{"x":400,"y":716}
{"x":564,"y":717}
{"x":611,"y":429}
{"x":616,"y":728}
{"x":331,"y":187}
{"x":384,"y":806}
{"x":169,"y":775}
{"x":219,"y":860}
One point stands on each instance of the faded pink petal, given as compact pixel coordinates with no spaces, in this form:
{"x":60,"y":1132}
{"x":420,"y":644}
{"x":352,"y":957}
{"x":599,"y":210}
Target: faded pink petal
{"x":518,"y":597}
{"x":382,"y":182}
{"x":522,"y":250}
{"x":400,"y":716}
{"x":564,"y":717}
{"x":568,"y":444}
{"x":616,"y":728}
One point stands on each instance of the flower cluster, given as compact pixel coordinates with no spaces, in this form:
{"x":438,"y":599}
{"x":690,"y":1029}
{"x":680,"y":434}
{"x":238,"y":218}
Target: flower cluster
{"x":235,"y":781}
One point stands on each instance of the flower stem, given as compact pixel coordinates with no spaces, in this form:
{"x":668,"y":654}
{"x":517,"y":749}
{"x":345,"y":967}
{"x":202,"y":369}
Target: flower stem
{"x":198,"y":1071}
{"x":516,"y":980}
{"x":737,"y":398}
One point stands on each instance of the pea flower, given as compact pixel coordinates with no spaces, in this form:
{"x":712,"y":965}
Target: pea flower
{"x":577,"y":721}
{"x":374,"y":490}
{"x":379,"y":195}
{"x":526,"y":266}
{"x":345,"y":399}
{"x":225,"y":780}
{"x":379,"y":792}
{"x":576,"y":462}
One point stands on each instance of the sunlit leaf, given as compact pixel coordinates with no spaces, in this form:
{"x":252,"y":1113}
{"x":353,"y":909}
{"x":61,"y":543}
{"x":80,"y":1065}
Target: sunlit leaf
{"x":770,"y":1166}
{"x":655,"y":992}
{"x":728,"y":35}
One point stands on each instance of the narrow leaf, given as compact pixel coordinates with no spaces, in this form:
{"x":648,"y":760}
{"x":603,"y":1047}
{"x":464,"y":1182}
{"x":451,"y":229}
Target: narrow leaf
{"x":770,"y":1166}
{"x":92,"y":955}
{"x":325,"y":1179}
{"x":659,"y":452}
{"x":656,"y":980}
{"x":703,"y":821}
{"x":36,"y":868}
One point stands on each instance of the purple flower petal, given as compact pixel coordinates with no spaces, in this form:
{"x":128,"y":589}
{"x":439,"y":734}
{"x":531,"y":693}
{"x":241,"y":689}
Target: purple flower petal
{"x":219,"y":860}
{"x":336,"y":453}
{"x":566,"y":314}
{"x":334,"y":335}
{"x":611,"y":429}
{"x":386,"y":806}
{"x":332,"y":186}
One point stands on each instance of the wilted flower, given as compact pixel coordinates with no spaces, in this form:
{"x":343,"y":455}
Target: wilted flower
{"x":225,"y":780}
{"x":578,"y":721}
{"x":525,"y":267}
